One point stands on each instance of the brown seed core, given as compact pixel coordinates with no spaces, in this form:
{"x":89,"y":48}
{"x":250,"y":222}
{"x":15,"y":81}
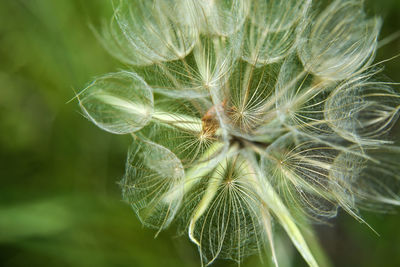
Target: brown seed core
{"x":210,"y":123}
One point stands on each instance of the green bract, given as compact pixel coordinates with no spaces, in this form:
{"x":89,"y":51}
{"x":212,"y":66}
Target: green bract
{"x":244,"y":113}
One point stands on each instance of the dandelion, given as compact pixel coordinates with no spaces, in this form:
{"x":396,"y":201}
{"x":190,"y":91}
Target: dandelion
{"x":246,"y":115}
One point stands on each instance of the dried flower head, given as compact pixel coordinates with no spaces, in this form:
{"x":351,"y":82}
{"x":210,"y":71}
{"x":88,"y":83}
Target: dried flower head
{"x":245,"y":113}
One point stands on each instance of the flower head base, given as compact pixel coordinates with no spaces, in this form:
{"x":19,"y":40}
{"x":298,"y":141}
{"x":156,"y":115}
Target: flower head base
{"x":244,"y":113}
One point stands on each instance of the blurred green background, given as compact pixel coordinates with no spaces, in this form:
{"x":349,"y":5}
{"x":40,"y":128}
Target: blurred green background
{"x":60,"y":204}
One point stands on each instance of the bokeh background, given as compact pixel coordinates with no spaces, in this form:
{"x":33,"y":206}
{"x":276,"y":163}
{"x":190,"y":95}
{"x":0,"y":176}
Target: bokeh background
{"x":60,"y":204}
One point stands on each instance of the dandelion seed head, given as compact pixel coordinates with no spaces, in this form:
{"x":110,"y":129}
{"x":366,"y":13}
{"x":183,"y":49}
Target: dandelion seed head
{"x":248,"y":114}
